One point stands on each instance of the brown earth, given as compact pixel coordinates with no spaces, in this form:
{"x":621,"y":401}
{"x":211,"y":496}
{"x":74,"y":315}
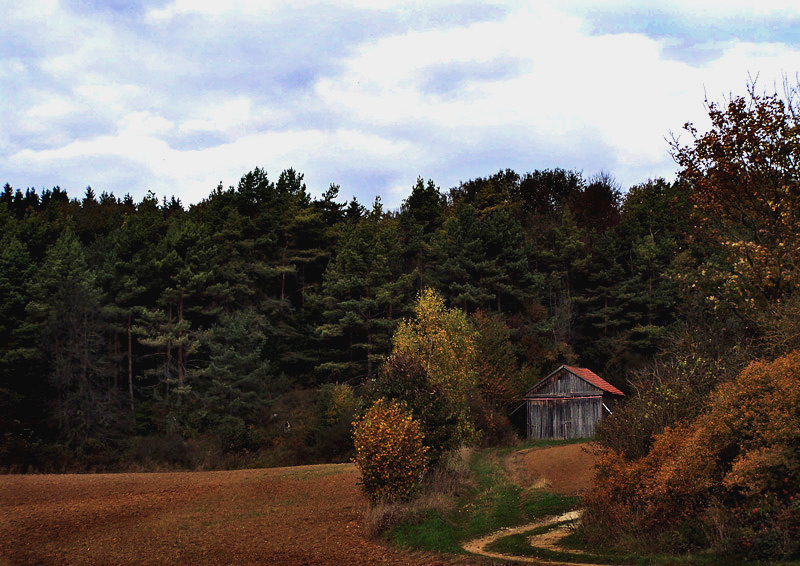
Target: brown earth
{"x":566,"y":469}
{"x":304,"y":515}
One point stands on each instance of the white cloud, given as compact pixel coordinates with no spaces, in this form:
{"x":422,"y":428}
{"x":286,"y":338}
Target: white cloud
{"x":52,"y":108}
{"x":108,"y":95}
{"x":144,"y":124}
{"x":231,"y":117}
{"x":618,"y":87}
{"x":211,"y":8}
{"x":450,"y":100}
{"x":34,"y":10}
{"x":694,"y":8}
{"x":192,"y":174}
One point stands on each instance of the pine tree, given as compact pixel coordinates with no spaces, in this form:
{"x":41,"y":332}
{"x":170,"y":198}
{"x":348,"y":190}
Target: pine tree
{"x":238,"y":386}
{"x":67,"y":313}
{"x":364,"y":291}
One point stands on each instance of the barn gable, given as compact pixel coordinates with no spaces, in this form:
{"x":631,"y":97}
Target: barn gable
{"x":568,"y":380}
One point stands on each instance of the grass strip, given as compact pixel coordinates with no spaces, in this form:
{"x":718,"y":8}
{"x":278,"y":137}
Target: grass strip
{"x":492,"y":504}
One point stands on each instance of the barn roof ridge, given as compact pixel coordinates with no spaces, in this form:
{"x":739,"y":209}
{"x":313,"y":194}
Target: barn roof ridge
{"x":583,"y":373}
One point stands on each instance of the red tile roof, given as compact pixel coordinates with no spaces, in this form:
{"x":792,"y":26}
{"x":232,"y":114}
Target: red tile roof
{"x":594,"y":379}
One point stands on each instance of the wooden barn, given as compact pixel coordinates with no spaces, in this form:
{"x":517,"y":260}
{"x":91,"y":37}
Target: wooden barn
{"x":569,"y":403}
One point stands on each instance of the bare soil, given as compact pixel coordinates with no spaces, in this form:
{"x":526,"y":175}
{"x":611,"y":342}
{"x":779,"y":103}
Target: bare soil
{"x":306,"y":515}
{"x":566,"y":469}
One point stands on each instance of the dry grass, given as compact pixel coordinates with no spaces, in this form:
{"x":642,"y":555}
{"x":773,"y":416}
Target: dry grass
{"x":436,"y":495}
{"x":541,"y":483}
{"x":381,"y":517}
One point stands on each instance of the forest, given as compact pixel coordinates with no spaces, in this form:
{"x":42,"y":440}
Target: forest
{"x":149,"y":331}
{"x":251,"y":328}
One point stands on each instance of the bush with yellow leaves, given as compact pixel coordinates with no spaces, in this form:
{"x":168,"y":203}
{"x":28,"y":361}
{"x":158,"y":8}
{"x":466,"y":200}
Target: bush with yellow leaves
{"x":389,"y":452}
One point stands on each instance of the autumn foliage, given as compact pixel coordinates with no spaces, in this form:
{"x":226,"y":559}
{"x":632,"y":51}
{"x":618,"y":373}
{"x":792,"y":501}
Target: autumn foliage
{"x":744,"y":175}
{"x":389,"y":452}
{"x":730,"y":480}
{"x":443,"y":341}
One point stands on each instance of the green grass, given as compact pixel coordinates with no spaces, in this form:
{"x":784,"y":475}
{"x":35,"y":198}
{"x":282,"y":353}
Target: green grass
{"x":432,"y":532}
{"x":518,"y":545}
{"x":493,"y":503}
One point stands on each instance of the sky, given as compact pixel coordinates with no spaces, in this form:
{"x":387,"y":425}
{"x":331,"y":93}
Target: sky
{"x":178,"y":96}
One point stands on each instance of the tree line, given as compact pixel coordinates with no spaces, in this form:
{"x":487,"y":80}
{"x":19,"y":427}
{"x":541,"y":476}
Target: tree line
{"x":253,"y":327}
{"x":141,"y":332}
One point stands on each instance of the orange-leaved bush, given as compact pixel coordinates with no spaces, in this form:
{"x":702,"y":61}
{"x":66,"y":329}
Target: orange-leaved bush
{"x":389,"y":452}
{"x":732,"y":475}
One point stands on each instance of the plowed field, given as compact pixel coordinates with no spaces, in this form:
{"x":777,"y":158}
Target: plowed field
{"x":304,"y":515}
{"x":564,"y":469}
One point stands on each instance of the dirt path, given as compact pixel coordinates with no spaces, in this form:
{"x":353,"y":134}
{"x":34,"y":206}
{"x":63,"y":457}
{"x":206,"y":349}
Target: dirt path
{"x":546,"y":540}
{"x":564,"y":469}
{"x":307,"y":515}
{"x":550,"y":539}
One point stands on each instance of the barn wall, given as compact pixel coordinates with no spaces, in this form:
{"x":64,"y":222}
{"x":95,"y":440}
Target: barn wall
{"x":564,"y":417}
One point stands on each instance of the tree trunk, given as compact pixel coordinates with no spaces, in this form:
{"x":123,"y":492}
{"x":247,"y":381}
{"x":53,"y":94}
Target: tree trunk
{"x":130,"y":365}
{"x":117,"y":358}
{"x":303,"y":286}
{"x":369,"y":349}
{"x":283,"y":278}
{"x":180,"y":342}
{"x":169,"y":350}
{"x":85,"y":350}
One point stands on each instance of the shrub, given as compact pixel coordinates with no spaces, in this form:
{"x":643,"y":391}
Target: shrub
{"x":436,"y":497}
{"x":734,"y":471}
{"x":404,"y":378}
{"x":676,"y":387}
{"x":389,"y":452}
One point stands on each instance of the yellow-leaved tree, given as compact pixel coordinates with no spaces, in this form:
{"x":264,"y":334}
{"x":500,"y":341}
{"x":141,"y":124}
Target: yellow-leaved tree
{"x":443,"y":341}
{"x":743,"y":180}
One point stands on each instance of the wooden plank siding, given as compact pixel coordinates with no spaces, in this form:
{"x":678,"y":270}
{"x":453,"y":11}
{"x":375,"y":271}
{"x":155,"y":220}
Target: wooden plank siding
{"x":564,"y":417}
{"x":566,"y":382}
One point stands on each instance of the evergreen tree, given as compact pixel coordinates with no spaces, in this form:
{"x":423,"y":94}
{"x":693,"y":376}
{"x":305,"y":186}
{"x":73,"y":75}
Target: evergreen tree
{"x":66,"y":309}
{"x":481,"y":260}
{"x":362,"y":292}
{"x":238,"y":386}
